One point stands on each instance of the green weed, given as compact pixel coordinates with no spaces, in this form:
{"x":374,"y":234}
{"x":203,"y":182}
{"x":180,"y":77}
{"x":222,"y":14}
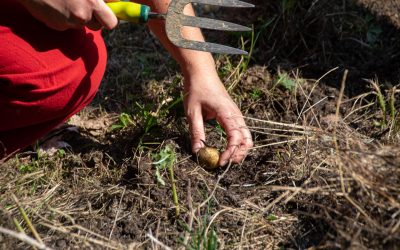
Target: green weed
{"x":272,"y":217}
{"x":220,"y":130}
{"x":61,"y":153}
{"x":150,"y":118}
{"x":387,"y":106}
{"x":28,"y":168}
{"x":165,"y":160}
{"x":124,"y":121}
{"x":380,"y":99}
{"x":201,"y":239}
{"x":285,"y":81}
{"x":204,"y":234}
{"x":394,"y":114}
{"x":26,"y":219}
{"x":212,"y":240}
{"x":256,"y":94}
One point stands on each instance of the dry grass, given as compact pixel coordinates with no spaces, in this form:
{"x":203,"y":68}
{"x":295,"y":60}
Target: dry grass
{"x":324,"y":172}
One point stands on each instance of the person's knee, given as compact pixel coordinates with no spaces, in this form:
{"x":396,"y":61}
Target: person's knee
{"x":45,"y":76}
{"x":43,"y":90}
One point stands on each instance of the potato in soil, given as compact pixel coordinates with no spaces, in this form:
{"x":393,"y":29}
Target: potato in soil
{"x":208,"y":157}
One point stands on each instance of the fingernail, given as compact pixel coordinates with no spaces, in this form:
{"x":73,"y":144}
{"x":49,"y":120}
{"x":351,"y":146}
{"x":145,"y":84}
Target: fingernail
{"x":223,"y":163}
{"x":197,"y":147}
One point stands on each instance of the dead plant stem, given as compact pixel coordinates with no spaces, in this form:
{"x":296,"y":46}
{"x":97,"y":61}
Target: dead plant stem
{"x":339,"y":103}
{"x":27,"y":220}
{"x":25,"y":238}
{"x":117,"y":214}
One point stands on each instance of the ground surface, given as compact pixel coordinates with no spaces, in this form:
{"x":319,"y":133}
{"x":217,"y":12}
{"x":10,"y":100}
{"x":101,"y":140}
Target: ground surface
{"x":324,"y":173}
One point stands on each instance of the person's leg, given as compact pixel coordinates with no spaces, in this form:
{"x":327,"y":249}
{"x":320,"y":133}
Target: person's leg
{"x":46,"y":76}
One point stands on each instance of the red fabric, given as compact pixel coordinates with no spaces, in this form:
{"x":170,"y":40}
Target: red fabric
{"x":46,"y":76}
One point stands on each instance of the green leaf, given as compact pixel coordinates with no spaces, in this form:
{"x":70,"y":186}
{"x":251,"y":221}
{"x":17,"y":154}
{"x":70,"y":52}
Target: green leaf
{"x":163,"y":160}
{"x":159,"y":177}
{"x":116,"y":127}
{"x":286,"y":82}
{"x":212,"y":242}
{"x":124,"y":121}
{"x":272,"y":217}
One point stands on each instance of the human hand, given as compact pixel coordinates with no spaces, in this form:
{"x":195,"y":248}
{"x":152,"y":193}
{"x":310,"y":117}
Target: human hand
{"x":65,"y":14}
{"x":205,"y":95}
{"x":205,"y":99}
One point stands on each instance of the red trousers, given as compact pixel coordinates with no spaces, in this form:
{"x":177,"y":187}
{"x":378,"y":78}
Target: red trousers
{"x":46,"y":76}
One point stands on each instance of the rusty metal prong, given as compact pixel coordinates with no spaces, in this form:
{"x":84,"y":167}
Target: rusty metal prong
{"x":209,"y":47}
{"x":176,"y":20}
{"x":225,"y":3}
{"x":208,"y":23}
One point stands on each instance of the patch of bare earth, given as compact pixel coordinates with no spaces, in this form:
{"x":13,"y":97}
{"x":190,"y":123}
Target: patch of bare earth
{"x":389,"y":9}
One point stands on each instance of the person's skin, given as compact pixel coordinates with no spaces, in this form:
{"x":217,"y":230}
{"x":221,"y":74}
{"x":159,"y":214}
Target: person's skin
{"x":66,"y":14}
{"x":205,"y":96}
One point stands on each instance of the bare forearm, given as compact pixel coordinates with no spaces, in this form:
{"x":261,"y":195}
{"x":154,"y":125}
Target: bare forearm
{"x":189,"y":60}
{"x":205,"y":95}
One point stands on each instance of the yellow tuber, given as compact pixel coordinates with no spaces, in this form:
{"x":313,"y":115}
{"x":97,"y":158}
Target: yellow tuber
{"x":208,"y":158}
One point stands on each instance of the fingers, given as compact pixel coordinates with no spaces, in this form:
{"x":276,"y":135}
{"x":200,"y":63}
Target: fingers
{"x":102,"y":17}
{"x":94,"y":25}
{"x":195,"y":119}
{"x":93,"y":16}
{"x":105,"y":16}
{"x":239,"y":139}
{"x":246,"y":145}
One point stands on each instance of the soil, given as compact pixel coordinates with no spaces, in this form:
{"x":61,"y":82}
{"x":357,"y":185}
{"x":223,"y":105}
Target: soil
{"x":319,"y":177}
{"x":389,"y":10}
{"x":319,"y":36}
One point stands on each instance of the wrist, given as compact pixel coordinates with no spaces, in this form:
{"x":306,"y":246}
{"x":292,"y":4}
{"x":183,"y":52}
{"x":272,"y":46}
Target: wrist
{"x":203,"y":81}
{"x":200,"y":66}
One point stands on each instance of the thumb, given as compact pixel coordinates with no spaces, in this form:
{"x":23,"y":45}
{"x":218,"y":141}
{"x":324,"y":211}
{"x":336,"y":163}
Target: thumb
{"x":105,"y":16}
{"x":195,"y":119}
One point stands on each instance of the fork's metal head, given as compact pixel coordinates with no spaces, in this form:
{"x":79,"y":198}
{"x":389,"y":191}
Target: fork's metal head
{"x":176,"y":20}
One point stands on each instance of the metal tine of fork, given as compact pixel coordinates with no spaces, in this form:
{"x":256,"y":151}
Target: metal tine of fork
{"x":208,"y":23}
{"x":176,"y":19}
{"x":225,"y":3}
{"x":209,"y":47}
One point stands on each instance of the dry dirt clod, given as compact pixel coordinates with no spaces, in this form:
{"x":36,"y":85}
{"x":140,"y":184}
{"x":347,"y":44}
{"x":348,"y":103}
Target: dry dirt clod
{"x":208,"y":158}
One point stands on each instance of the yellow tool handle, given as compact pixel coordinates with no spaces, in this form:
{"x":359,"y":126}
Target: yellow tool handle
{"x":129,"y":11}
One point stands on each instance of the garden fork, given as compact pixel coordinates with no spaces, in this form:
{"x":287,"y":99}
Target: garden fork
{"x":175,"y":20}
